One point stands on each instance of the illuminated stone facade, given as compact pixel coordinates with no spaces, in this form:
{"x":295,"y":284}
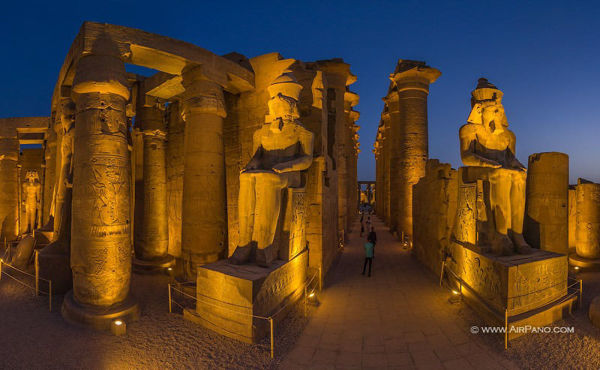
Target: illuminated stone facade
{"x":152,"y":164}
{"x":404,"y":141}
{"x":458,"y":220}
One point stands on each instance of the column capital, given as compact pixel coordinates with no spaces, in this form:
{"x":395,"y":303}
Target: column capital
{"x":201,"y":94}
{"x":413,"y":75}
{"x":101,"y":71}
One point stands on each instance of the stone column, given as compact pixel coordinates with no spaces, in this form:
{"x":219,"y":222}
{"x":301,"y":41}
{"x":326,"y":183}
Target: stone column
{"x":546,"y":213}
{"x":351,"y":116}
{"x":407,"y":103}
{"x":338,"y":76}
{"x":588,"y":225}
{"x":204,"y":204}
{"x":151,"y":251}
{"x":387,"y":143}
{"x":100,"y":233}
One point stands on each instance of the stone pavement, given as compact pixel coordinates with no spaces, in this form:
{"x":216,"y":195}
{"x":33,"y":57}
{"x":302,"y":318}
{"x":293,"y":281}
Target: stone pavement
{"x":398,"y":318}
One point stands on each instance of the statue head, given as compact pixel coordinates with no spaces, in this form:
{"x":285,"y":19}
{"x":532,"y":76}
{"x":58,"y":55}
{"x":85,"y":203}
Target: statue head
{"x":487,"y":109}
{"x":32,"y":176}
{"x":284,"y":93}
{"x":67,"y":114}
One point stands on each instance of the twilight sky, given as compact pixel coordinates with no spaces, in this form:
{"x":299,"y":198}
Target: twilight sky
{"x":544,"y":55}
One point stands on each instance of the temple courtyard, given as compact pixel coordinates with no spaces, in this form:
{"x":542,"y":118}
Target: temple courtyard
{"x":399,"y":318}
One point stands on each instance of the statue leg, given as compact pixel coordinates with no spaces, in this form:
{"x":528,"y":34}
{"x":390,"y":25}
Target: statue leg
{"x":246,"y":214}
{"x":499,"y":199}
{"x":30,"y":215}
{"x":500,"y":202}
{"x":246,"y":205}
{"x":517,"y":210}
{"x":268,"y":207}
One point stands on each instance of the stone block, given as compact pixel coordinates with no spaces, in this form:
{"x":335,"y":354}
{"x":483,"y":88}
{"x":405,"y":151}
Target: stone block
{"x":228,"y":296}
{"x":518,"y":283}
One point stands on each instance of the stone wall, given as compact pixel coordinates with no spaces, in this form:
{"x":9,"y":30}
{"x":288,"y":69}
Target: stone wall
{"x":434,"y":199}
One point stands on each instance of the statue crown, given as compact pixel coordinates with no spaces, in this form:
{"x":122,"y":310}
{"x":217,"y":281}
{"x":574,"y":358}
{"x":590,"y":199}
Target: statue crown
{"x":285,"y":85}
{"x":486,"y":92}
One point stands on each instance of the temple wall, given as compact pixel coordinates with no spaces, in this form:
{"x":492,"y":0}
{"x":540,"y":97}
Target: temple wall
{"x":435,"y":202}
{"x":9,"y":198}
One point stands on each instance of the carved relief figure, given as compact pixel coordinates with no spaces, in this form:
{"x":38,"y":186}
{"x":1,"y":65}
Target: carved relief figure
{"x":65,"y":178}
{"x":32,"y":199}
{"x":488,"y":150}
{"x":282,"y":149}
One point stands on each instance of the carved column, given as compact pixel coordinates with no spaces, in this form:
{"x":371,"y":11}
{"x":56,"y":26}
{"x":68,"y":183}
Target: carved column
{"x":204,"y":218}
{"x":546,"y":212}
{"x":387,"y":143}
{"x":151,"y":250}
{"x":350,"y":100}
{"x":588,"y":225}
{"x":100,"y":233}
{"x":407,"y":102}
{"x":338,"y":76}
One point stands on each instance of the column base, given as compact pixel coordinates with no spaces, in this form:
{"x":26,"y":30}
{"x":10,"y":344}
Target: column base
{"x":154,"y":265}
{"x":584,"y":263}
{"x":99,"y":318}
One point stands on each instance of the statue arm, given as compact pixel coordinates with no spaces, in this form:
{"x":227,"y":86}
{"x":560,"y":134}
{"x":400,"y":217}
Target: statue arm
{"x":513,"y":161}
{"x":254,"y":162}
{"x":306,"y":141}
{"x":467,"y":150}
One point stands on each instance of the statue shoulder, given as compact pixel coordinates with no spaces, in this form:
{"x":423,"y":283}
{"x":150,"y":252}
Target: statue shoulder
{"x":467,"y":130}
{"x":302,"y":131}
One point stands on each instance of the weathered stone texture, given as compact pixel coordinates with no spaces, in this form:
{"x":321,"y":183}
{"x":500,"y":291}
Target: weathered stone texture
{"x":228,"y":295}
{"x":434,"y":199}
{"x":588,"y":219}
{"x":546,"y":211}
{"x":174,"y":164}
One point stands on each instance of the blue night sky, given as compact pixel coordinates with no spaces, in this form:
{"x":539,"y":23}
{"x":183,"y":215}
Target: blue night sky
{"x":544,"y":55}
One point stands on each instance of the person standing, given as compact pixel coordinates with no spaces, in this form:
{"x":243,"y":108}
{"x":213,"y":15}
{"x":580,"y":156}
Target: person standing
{"x":372,"y":237}
{"x":368,"y":257}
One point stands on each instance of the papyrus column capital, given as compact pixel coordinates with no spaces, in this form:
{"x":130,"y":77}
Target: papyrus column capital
{"x":201,"y":94}
{"x":102,"y":71}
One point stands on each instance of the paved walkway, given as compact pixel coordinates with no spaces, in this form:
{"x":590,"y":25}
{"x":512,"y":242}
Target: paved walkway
{"x":398,"y":318}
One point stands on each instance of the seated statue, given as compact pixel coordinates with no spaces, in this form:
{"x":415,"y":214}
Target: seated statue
{"x":487,"y":148}
{"x":282,"y":149}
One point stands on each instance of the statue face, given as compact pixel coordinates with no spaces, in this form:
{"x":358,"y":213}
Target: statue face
{"x":283,"y":107}
{"x":32,"y":176}
{"x":493,"y":118}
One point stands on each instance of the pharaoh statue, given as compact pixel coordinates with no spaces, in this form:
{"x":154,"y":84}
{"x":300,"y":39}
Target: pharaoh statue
{"x":487,"y":149}
{"x":282,"y":148}
{"x":32,"y":199}
{"x":62,"y":198}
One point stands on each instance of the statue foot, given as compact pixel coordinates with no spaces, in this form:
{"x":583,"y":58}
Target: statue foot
{"x":241,"y":255}
{"x":521,"y":245}
{"x":264,"y":256}
{"x":502,"y":245}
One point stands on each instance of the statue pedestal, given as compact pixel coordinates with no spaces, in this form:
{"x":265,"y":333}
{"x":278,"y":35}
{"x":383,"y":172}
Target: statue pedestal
{"x":99,"y":318}
{"x":531,"y":289}
{"x":228,"y":294}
